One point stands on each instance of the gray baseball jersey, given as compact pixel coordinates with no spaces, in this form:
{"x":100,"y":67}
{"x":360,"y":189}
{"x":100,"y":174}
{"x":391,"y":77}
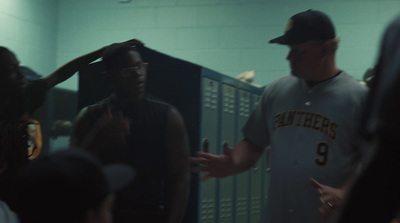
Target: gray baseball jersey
{"x":311,"y":132}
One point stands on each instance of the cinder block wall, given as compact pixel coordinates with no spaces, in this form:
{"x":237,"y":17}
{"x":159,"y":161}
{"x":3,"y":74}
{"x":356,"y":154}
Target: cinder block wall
{"x":29,"y":29}
{"x":228,"y":36}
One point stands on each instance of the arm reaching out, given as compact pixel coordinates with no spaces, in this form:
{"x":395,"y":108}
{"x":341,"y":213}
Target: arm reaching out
{"x":67,"y":70}
{"x":233,"y":161}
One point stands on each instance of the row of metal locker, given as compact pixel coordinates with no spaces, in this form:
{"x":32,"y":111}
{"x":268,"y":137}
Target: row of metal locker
{"x":226,"y":107}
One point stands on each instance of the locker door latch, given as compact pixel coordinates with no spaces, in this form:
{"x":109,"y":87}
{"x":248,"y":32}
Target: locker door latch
{"x":225,"y":147}
{"x":206,"y":145}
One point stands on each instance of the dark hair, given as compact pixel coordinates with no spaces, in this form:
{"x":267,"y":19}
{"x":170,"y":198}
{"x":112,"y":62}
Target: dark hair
{"x":113,"y":51}
{"x":3,"y":52}
{"x":59,"y":184}
{"x":3,"y":49}
{"x":63,"y":186}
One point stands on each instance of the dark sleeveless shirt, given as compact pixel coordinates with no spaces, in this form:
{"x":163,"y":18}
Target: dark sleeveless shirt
{"x":145,"y":151}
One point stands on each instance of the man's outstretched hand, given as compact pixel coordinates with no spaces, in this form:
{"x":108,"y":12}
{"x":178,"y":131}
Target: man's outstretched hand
{"x":218,"y":166}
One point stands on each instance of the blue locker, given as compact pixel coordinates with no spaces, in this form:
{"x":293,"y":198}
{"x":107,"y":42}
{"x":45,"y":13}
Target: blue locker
{"x":242,"y":179}
{"x":227,"y":129}
{"x":256,"y":180}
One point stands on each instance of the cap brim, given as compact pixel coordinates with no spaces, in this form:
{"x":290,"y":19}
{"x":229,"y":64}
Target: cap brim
{"x":280,"y":40}
{"x":119,"y":175}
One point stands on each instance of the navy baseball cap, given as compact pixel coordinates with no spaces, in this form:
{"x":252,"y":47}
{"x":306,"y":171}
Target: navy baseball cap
{"x":306,"y":26}
{"x":64,"y":185}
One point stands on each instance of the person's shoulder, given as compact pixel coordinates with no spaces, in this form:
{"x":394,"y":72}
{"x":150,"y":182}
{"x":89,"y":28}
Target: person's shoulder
{"x":352,"y":83}
{"x":97,"y":107}
{"x":350,"y":89}
{"x":155,"y":101}
{"x":281,"y":83}
{"x":284,"y":79}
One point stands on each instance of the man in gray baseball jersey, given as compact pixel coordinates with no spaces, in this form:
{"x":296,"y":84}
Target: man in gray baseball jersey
{"x":309,"y":120}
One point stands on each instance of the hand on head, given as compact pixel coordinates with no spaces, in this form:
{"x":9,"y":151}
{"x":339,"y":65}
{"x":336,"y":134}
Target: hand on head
{"x":134,"y":42}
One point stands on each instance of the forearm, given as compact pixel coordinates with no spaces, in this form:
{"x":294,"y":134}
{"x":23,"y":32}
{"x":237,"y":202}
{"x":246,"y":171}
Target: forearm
{"x":99,"y":139}
{"x":94,"y":143}
{"x":86,"y":134}
{"x":245,"y":155}
{"x":67,"y":70}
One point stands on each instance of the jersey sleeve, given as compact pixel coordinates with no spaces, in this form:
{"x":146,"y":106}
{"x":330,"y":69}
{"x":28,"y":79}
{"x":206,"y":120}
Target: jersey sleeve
{"x":256,"y":127}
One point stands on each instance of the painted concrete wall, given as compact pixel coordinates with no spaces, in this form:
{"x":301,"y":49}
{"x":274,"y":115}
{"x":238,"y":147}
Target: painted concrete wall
{"x":228,"y":36}
{"x":29,"y":29}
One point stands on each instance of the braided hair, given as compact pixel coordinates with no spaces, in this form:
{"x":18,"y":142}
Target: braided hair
{"x":11,"y":106}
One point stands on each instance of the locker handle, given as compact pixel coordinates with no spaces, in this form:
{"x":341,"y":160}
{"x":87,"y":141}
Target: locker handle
{"x":255,"y":168}
{"x":206,"y":145}
{"x":225,"y":147}
{"x":268,"y":168}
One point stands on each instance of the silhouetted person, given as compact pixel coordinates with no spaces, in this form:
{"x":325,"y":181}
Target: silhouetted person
{"x":375,"y":196}
{"x":69,"y":186}
{"x":149,"y":134}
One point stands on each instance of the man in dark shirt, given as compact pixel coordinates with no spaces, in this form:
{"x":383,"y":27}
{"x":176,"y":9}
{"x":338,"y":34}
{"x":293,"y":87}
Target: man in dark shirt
{"x":147,"y":133}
